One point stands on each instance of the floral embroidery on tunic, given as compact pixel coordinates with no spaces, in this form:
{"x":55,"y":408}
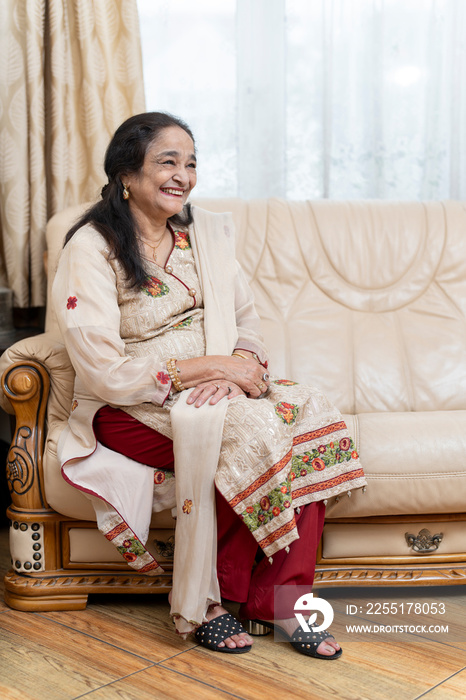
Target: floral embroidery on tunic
{"x":324,"y":456}
{"x":280,"y":498}
{"x":284,"y":382}
{"x":184,"y":323}
{"x":187,"y":505}
{"x":71,"y":302}
{"x":161,"y":475}
{"x":163,"y":377}
{"x":131,"y":549}
{"x":286,"y":411}
{"x":268,"y":507}
{"x":74,"y":405}
{"x":182,"y":240}
{"x":154,"y":287}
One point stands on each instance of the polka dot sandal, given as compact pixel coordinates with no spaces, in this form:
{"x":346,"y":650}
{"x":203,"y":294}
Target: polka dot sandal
{"x":306,"y":642}
{"x":210,"y":634}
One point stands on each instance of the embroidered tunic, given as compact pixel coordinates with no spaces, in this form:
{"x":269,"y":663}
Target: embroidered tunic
{"x":164,"y":319}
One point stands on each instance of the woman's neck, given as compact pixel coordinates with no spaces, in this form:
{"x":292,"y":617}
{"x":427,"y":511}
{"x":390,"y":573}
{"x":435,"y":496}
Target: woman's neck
{"x":150,"y":229}
{"x":156,"y":250}
{"x":152,"y":234}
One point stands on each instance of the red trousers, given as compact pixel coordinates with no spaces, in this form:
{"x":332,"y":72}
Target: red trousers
{"x":237,"y":550}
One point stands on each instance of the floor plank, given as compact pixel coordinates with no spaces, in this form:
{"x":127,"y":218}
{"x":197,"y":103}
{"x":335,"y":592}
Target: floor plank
{"x":452,"y":689}
{"x":366,"y":671}
{"x":158,"y":683}
{"x":47,"y":660}
{"x":142,"y":627}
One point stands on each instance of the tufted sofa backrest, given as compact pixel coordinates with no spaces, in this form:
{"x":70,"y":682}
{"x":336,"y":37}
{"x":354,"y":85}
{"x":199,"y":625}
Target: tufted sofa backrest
{"x":365,"y":299}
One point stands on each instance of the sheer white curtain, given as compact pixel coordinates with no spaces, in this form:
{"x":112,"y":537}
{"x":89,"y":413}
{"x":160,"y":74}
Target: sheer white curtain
{"x":315,"y":98}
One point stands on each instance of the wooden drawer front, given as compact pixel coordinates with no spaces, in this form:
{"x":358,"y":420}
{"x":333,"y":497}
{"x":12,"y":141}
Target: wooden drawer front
{"x":87,"y":546}
{"x":390,"y":539}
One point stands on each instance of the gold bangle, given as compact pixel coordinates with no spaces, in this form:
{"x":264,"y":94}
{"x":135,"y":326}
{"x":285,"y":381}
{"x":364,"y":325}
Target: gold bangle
{"x":173,"y":373}
{"x":238,"y":354}
{"x":253,"y":356}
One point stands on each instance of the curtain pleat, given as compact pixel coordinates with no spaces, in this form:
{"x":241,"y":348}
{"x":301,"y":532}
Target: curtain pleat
{"x":70,"y":73}
{"x":260,"y":79}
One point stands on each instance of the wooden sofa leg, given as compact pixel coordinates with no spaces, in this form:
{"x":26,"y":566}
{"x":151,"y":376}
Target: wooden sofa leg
{"x":36,"y":581}
{"x":17,"y":589}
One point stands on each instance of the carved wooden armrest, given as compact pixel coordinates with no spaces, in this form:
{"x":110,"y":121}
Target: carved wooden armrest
{"x":27,"y":384}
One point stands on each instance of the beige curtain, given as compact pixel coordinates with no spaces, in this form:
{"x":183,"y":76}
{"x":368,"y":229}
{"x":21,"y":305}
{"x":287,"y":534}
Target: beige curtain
{"x":70,"y":73}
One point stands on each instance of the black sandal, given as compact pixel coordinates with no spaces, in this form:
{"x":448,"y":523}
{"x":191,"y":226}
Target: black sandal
{"x":305,"y":642}
{"x":210,"y":634}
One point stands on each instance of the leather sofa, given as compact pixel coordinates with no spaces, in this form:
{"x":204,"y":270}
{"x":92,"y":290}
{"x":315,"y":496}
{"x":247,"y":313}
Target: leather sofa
{"x":365,"y":299}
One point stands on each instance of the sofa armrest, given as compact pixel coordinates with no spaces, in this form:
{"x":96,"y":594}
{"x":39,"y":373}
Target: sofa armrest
{"x":49,"y":351}
{"x":26,"y":384}
{"x":37,"y":382}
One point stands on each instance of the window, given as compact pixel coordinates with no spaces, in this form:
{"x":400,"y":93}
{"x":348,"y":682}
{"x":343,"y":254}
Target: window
{"x":315,"y":98}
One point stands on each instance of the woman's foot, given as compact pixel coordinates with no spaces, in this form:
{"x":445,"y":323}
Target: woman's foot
{"x":236,"y":640}
{"x":327,"y":648}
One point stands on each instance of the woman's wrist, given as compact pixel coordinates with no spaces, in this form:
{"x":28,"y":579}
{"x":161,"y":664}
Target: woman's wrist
{"x":248,"y":355}
{"x":200,"y":369}
{"x":174,"y":373}
{"x":240,"y":354}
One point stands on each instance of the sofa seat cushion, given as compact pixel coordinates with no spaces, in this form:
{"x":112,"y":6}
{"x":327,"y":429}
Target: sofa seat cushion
{"x":415,"y":463}
{"x":60,"y":495}
{"x":69,"y":501}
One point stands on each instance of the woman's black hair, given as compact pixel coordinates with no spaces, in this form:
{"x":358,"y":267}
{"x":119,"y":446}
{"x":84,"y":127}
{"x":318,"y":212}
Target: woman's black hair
{"x":111,"y":216}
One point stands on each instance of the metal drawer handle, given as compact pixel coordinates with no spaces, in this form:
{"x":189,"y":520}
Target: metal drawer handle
{"x":165,"y":548}
{"x":424,"y":542}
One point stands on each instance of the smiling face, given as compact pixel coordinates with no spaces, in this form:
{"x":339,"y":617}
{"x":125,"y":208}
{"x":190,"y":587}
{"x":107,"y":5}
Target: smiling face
{"x":161,"y":187}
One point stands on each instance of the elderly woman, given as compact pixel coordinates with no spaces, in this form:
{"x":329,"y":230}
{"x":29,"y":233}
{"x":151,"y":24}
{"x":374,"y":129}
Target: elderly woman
{"x":174,"y":406}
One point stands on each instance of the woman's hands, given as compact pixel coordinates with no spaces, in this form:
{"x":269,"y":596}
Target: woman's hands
{"x":212,"y":376}
{"x":247,"y":374}
{"x":215,"y":391}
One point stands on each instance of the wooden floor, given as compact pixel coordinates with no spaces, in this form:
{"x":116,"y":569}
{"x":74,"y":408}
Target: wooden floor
{"x":125,"y":648}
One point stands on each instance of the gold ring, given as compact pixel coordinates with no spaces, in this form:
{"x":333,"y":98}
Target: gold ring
{"x":262,"y":386}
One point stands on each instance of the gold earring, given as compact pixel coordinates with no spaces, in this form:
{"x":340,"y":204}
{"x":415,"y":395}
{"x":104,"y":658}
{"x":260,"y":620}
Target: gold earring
{"x":125,"y":192}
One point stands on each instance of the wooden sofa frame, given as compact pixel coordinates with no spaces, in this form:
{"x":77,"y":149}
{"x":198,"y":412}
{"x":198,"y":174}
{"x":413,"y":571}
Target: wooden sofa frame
{"x":61,"y":587}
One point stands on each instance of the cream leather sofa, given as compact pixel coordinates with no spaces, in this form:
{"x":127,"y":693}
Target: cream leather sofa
{"x":366,"y":300}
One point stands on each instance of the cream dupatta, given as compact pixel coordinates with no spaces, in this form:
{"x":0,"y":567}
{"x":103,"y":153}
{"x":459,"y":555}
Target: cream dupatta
{"x":197,"y":432}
